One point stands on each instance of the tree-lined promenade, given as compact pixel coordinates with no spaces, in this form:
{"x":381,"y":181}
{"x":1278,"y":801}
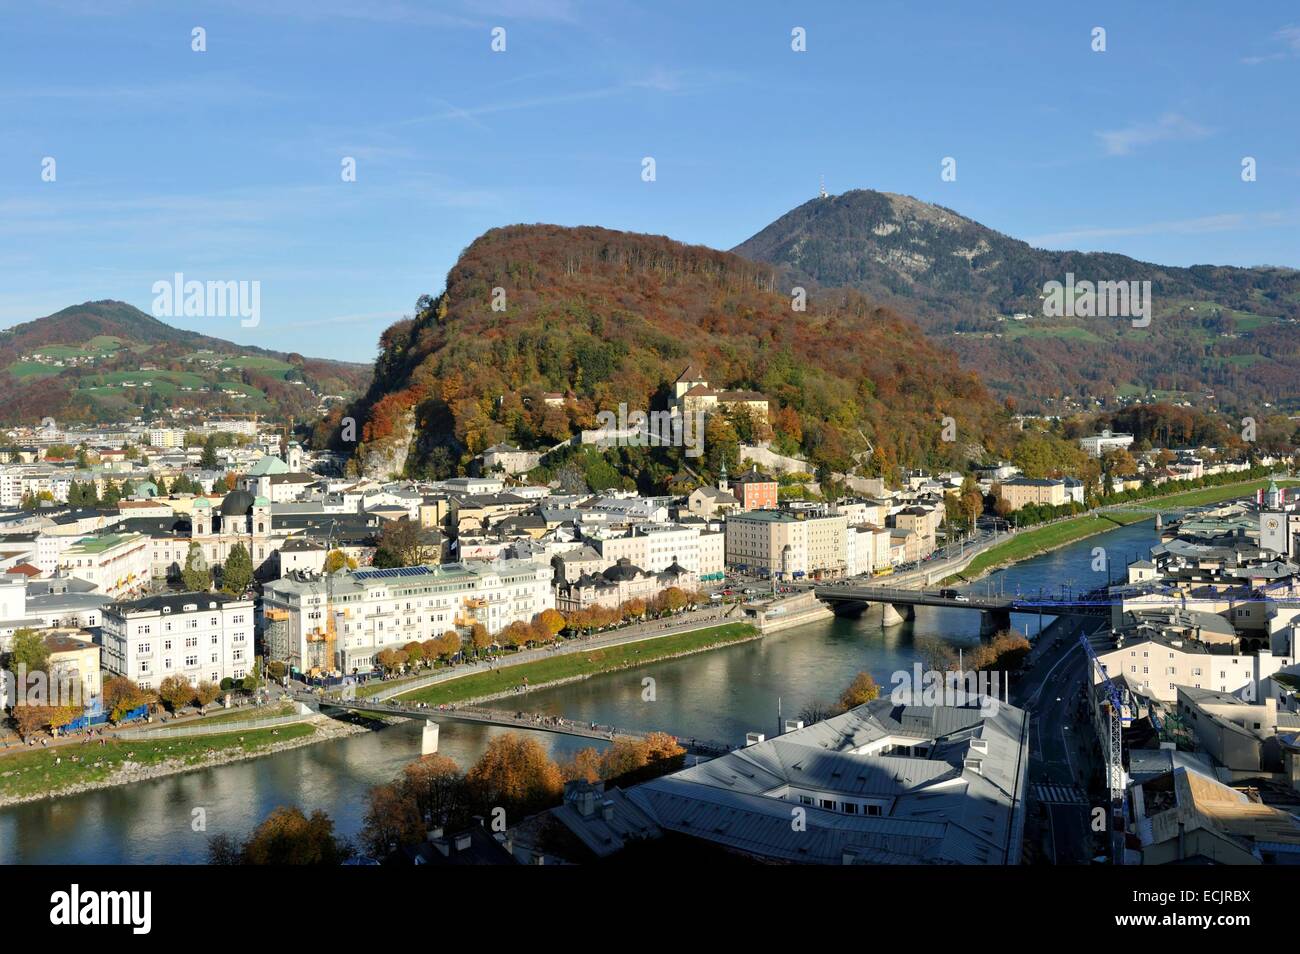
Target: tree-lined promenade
{"x":581,"y":661}
{"x":548,"y":631}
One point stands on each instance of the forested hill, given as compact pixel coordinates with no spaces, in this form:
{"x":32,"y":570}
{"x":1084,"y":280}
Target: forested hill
{"x":107,"y":361}
{"x":1229,"y":333}
{"x":605,"y":317}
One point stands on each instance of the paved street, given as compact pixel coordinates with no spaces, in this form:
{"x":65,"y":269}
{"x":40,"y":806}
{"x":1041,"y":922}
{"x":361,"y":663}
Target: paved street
{"x":1062,"y":747}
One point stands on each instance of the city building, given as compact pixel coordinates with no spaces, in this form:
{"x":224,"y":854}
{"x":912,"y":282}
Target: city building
{"x":781,"y":544}
{"x":117,"y":563}
{"x":884,"y":783}
{"x":342,"y":621}
{"x":1187,"y":817}
{"x":1023,"y":491}
{"x":205,"y":637}
{"x":692,"y":392}
{"x":1098,"y":445}
{"x":754,"y":490}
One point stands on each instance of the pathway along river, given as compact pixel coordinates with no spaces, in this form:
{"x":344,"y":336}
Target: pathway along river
{"x":721,"y":694}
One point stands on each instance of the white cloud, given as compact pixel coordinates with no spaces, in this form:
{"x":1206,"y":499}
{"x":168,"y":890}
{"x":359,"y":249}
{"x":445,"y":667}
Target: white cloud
{"x":1224,"y":222}
{"x":1289,"y":37}
{"x":1170,"y":127}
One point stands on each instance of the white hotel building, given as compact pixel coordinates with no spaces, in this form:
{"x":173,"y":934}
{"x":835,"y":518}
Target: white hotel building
{"x":386,"y":609}
{"x":655,"y":547}
{"x":205,"y":637}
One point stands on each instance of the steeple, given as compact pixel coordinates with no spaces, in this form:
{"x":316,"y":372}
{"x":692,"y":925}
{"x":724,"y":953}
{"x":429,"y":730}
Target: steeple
{"x":722,"y":477}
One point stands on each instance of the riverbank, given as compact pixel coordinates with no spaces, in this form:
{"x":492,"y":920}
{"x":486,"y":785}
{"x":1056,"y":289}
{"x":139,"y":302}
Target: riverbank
{"x":46,"y":773}
{"x":499,"y":683}
{"x":1039,"y":540}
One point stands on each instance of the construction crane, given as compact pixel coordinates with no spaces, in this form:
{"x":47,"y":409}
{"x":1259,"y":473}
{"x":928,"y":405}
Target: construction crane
{"x":1111,"y":718}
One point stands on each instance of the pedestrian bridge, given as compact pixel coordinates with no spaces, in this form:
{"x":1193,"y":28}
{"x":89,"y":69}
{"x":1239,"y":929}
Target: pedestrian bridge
{"x":533,"y":721}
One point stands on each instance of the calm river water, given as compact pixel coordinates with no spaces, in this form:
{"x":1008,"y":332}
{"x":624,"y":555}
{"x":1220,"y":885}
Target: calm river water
{"x":717,"y":695}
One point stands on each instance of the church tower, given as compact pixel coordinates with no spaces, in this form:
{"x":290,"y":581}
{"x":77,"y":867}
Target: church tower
{"x":722,"y":477}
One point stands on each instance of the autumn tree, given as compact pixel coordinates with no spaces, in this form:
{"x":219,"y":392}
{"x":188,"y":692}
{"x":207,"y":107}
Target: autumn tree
{"x":405,"y":543}
{"x":336,"y":560}
{"x":120,"y":695}
{"x":583,"y":765}
{"x":479,"y":637}
{"x":391,"y":820}
{"x":515,"y":773}
{"x":861,"y":690}
{"x":436,"y":787}
{"x":391,"y":660}
{"x":448,"y":644}
{"x":552,"y":619}
{"x":206,"y":693}
{"x":176,"y":692}
{"x":288,"y":837}
{"x":31,"y":719}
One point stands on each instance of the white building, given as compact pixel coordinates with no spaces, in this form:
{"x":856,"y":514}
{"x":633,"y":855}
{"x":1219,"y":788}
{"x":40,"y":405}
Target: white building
{"x":376,"y":609}
{"x":165,"y":437}
{"x":867,"y":550}
{"x":205,"y":637}
{"x":653,"y":547}
{"x":777,"y":543}
{"x":1157,"y":667}
{"x":1098,"y":444}
{"x":118,"y":563}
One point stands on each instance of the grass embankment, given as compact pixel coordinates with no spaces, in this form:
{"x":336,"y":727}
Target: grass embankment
{"x":36,"y":772}
{"x":1030,"y":543}
{"x":1208,"y":495}
{"x":579,"y":664}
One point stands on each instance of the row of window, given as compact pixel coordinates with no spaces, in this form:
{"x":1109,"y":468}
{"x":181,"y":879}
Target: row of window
{"x":848,"y":808}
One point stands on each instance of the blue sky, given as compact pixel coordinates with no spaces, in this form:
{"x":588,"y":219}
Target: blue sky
{"x":225,"y":164}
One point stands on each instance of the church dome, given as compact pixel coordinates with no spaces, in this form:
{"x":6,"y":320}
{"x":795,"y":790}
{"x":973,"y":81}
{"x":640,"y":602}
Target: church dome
{"x":238,"y":503}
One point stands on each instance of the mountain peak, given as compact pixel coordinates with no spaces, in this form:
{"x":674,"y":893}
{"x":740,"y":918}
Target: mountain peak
{"x":1217,"y":330}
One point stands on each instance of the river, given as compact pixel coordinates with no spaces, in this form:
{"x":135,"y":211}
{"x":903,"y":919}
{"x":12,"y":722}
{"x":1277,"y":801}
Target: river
{"x":719,"y":695}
